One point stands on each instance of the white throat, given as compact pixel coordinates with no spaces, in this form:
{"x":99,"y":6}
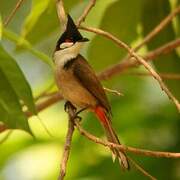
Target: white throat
{"x":62,"y":56}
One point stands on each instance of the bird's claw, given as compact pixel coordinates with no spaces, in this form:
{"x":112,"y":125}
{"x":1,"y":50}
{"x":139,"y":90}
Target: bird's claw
{"x":78,"y":118}
{"x":68,"y":105}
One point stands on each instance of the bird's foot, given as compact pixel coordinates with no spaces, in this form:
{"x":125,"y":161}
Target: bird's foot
{"x":68,"y":105}
{"x":78,"y":118}
{"x":78,"y":112}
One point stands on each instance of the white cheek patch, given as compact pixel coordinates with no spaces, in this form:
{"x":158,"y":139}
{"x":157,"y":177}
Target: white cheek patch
{"x":66,"y":45}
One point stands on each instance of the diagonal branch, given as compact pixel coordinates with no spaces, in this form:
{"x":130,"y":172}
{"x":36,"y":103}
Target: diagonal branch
{"x":158,"y":28}
{"x":86,"y":12}
{"x":61,"y":13}
{"x":141,"y":169}
{"x":171,"y":76}
{"x":142,"y":152}
{"x":152,"y":55}
{"x":166,"y":48}
{"x":13,"y":12}
{"x":158,"y":78}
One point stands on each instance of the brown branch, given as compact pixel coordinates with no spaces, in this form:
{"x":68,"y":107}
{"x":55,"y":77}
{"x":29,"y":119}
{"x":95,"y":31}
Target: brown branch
{"x":158,"y":78}
{"x":56,"y":96}
{"x":61,"y":13}
{"x":67,"y":145}
{"x":166,"y":48}
{"x":45,"y":92}
{"x":158,"y":28}
{"x":143,"y":152}
{"x":142,"y":170}
{"x":39,"y":107}
{"x":86,"y":12}
{"x":107,"y":35}
{"x":13,"y":12}
{"x":170,"y":76}
{"x":113,"y":91}
{"x":120,"y":67}
{"x":46,"y":103}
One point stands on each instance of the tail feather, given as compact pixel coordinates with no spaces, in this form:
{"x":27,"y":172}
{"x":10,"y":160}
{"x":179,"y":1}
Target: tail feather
{"x":112,"y":137}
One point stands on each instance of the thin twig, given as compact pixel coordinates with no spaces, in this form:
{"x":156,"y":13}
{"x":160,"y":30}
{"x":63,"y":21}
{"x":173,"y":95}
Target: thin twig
{"x":107,"y":35}
{"x":143,"y":152}
{"x":67,"y":145}
{"x":125,"y":65}
{"x":158,"y":78}
{"x":155,"y":31}
{"x":46,"y":103}
{"x":113,"y":91}
{"x":141,"y":169}
{"x":46,"y":95}
{"x":158,"y":28}
{"x":170,"y":76}
{"x":139,"y":59}
{"x":86,"y":12}
{"x":57,"y":95}
{"x":13,"y":12}
{"x":166,"y":48}
{"x":45,"y":92}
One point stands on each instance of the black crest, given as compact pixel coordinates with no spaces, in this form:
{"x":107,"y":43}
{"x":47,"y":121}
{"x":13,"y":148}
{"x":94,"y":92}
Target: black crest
{"x":71,"y":33}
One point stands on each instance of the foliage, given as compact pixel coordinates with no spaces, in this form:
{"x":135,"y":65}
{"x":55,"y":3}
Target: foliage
{"x":144,"y":117}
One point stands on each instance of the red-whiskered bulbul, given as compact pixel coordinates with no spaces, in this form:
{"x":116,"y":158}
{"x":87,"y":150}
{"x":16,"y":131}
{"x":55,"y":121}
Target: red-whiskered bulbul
{"x":79,"y":84}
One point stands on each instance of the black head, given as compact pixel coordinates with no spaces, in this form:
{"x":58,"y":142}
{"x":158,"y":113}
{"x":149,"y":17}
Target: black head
{"x":71,"y":34}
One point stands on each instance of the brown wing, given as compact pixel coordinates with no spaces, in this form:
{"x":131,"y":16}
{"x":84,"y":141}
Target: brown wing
{"x":88,"y":78}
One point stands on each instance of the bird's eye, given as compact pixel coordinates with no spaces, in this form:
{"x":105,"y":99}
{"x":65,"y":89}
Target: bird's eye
{"x":66,"y":45}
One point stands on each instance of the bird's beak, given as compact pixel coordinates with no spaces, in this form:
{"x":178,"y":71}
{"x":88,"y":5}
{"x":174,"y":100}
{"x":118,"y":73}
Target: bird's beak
{"x":83,"y":40}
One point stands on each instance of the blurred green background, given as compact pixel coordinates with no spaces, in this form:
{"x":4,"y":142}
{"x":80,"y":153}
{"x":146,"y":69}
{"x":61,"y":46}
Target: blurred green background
{"x":144,"y":117}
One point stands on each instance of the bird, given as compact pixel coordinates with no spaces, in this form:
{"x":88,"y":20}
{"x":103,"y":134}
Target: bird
{"x":79,"y":85}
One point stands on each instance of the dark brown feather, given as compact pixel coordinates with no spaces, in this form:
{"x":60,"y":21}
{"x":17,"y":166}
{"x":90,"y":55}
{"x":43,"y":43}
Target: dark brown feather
{"x":85,"y":74}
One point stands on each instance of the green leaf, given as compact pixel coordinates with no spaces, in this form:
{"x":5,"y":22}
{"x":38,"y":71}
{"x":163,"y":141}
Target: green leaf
{"x":38,"y":7}
{"x":16,"y":78}
{"x":154,"y":12}
{"x":45,"y":25}
{"x":10,"y":108}
{"x":26,"y":45}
